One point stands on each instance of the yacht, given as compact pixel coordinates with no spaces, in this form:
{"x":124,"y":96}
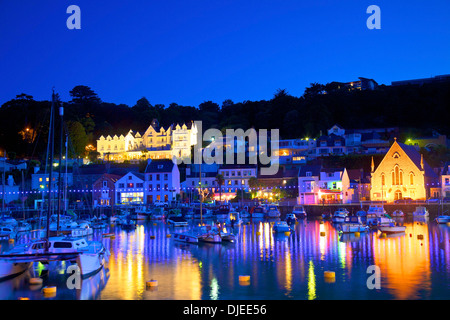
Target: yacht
{"x":421,"y":212}
{"x":185,"y":237}
{"x":177,"y":221}
{"x":299,"y":212}
{"x":157,"y":213}
{"x":388,"y":225}
{"x":7,"y":219}
{"x":8,"y":232}
{"x":281,"y":226}
{"x":352,"y":224}
{"x":222,"y":212}
{"x":398,"y":213}
{"x":339,"y":215}
{"x":374,"y":212}
{"x":273,"y":212}
{"x":89,"y":255}
{"x":233,"y":216}
{"x":141,"y":213}
{"x":442,"y":219}
{"x":257,"y":213}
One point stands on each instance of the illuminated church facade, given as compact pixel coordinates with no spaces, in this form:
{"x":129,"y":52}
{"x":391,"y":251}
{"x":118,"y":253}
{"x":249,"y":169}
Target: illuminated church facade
{"x":403,"y":173}
{"x":155,"y":143}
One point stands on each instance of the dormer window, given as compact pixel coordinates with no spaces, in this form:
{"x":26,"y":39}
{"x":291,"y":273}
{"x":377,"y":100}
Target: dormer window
{"x":309,"y":174}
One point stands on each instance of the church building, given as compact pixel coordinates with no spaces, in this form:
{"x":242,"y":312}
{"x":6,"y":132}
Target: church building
{"x":403,"y":173}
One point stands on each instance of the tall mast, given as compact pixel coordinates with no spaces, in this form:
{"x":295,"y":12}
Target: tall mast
{"x":61,"y":114}
{"x":50,"y":176}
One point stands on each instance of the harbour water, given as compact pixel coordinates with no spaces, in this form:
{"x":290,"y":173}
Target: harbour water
{"x":280,"y":266}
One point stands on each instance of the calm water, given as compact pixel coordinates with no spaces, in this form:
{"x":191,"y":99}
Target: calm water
{"x":281,"y":267}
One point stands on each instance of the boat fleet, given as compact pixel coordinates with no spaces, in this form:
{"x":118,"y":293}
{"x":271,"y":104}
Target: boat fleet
{"x":68,"y":240}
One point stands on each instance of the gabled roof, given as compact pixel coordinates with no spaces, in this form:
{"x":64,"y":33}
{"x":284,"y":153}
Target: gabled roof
{"x":156,"y":166}
{"x":315,"y":170}
{"x":415,"y":157}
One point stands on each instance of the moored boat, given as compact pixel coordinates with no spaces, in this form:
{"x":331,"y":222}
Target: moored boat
{"x":299,"y":212}
{"x":398,"y":213}
{"x":281,"y":226}
{"x":421,"y":212}
{"x":257,"y":212}
{"x":339,"y":215}
{"x":88,"y":255}
{"x":177,"y":221}
{"x":442,"y":219}
{"x":352,"y":224}
{"x":374,"y":212}
{"x":185,"y":237}
{"x":273,"y":212}
{"x":388,"y":225}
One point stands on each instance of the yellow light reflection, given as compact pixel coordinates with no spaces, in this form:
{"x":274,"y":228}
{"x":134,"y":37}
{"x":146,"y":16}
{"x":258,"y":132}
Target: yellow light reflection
{"x":288,"y":268}
{"x":404,"y":262}
{"x":311,"y":282}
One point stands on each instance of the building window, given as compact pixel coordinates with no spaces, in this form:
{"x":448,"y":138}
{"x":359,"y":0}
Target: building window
{"x":411,"y":179}
{"x":308,"y":173}
{"x":383,"y":180}
{"x":157,"y":177}
{"x":139,"y":185}
{"x":121,"y":185}
{"x":166,"y":176}
{"x":105,"y":184}
{"x":150,"y":177}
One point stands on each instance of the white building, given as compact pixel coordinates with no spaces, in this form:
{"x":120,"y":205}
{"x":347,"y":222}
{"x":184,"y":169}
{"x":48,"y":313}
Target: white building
{"x":323,"y":186}
{"x":162,"y":181}
{"x":445,"y":181}
{"x":156,"y":143}
{"x":130,"y":189}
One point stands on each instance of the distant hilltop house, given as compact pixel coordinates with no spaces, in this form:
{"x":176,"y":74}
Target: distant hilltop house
{"x":155,"y":143}
{"x":361,"y":84}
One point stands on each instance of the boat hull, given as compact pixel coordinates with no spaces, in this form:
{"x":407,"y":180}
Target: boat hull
{"x":352,"y":228}
{"x":396,"y":229}
{"x":184,"y":238}
{"x":10,"y":270}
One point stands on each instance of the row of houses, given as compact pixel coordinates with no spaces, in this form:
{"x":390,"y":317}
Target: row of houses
{"x":402,"y":174}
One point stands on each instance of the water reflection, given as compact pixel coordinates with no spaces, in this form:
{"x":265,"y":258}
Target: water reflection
{"x":280,"y":266}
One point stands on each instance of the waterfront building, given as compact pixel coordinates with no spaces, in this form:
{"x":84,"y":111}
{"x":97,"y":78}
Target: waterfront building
{"x":445,"y":181}
{"x":236,"y":177}
{"x":360,"y":185}
{"x":104,"y":190}
{"x":130,"y":189}
{"x":208,"y":177}
{"x":156,"y":143}
{"x":40,"y":181}
{"x":317,"y":185}
{"x":162,"y":181}
{"x":403,"y":173}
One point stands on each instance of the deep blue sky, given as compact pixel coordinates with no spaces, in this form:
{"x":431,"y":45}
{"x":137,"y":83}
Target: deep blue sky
{"x":191,"y":51}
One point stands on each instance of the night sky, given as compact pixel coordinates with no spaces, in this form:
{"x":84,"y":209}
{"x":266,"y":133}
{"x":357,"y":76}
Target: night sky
{"x":193,"y":51}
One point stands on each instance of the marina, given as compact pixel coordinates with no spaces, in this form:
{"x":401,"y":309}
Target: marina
{"x":189,"y":265}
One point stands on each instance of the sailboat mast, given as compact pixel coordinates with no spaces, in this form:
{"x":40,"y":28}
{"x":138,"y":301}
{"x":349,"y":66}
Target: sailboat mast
{"x":50,"y":176}
{"x":61,"y":114}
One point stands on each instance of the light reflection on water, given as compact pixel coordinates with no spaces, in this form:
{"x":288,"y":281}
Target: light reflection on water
{"x":280,"y":267}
